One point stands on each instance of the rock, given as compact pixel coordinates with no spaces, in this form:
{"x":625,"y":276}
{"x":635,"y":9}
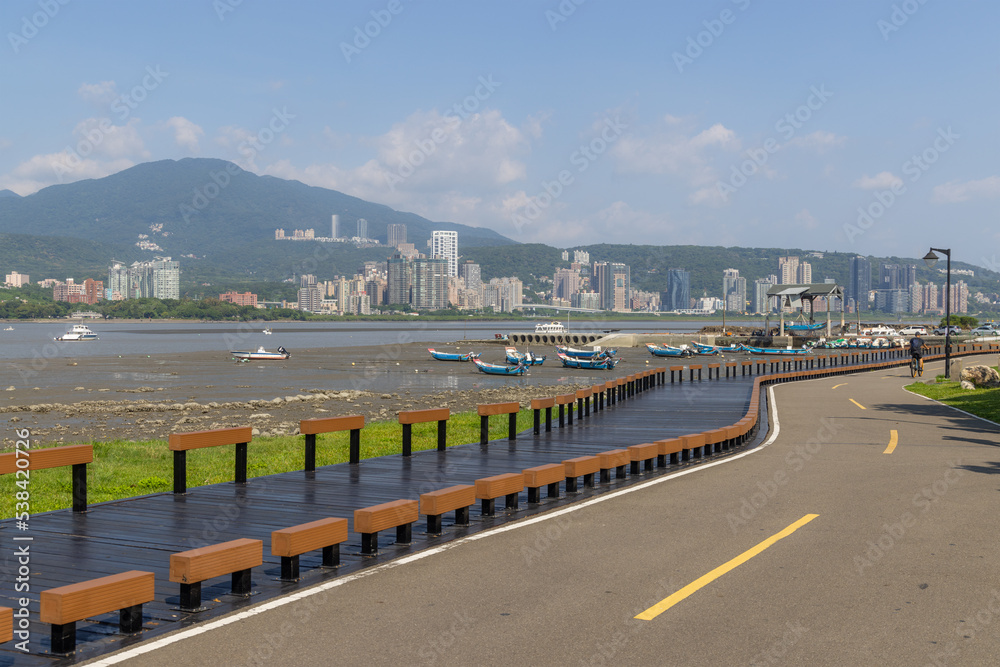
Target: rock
{"x":79,"y":389}
{"x":12,"y":388}
{"x":981,"y":376}
{"x":255,"y":432}
{"x":967,"y":385}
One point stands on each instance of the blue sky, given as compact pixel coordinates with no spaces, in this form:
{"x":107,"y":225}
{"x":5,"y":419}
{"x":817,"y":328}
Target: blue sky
{"x":866,"y":127}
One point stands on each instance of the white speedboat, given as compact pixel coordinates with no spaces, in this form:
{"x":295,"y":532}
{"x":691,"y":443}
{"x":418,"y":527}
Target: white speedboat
{"x":9,"y":329}
{"x":267,"y":331}
{"x":261,"y":354}
{"x":79,"y":332}
{"x":550,"y":328}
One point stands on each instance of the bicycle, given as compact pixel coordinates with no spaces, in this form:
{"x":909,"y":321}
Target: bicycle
{"x":916,"y":367}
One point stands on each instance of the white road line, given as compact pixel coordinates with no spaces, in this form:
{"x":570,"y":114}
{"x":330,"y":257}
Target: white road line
{"x":294,"y":597}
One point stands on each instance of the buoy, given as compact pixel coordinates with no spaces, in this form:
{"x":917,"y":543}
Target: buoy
{"x":352,"y":363}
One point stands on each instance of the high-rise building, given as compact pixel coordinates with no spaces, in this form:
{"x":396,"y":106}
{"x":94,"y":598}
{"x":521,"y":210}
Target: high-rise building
{"x":565,"y":255}
{"x":445,"y":245}
{"x":399,"y":270}
{"x":396,"y":234}
{"x":158,"y":279}
{"x":734,"y":290}
{"x":334,"y":223}
{"x":239,"y":299}
{"x":804,"y":273}
{"x":859,"y":282}
{"x":788,"y":268}
{"x":15,"y":279}
{"x":678,"y":294}
{"x":613,"y":282}
{"x":470,"y":272}
{"x":430,"y":283}
{"x":565,"y":283}
{"x":760,"y":303}
{"x":362,"y":228}
{"x":581,"y":257}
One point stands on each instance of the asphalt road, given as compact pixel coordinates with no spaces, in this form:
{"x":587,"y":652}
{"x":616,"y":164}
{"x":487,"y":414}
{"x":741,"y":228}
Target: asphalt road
{"x":898,"y":566}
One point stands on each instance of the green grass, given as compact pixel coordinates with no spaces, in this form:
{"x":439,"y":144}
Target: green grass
{"x":983,"y":403}
{"x":123,"y":469}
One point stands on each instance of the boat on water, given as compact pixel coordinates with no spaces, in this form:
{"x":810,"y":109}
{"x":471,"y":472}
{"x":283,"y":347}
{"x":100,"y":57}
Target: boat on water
{"x":262,"y":354}
{"x":452,"y":356}
{"x":596,"y":353}
{"x":668,"y":350}
{"x":9,"y":329}
{"x":499,"y":369}
{"x":550,"y":328}
{"x":529,"y":358}
{"x":774,"y":351}
{"x":267,"y":331}
{"x":79,"y":332}
{"x":805,"y":327}
{"x":602,"y":364}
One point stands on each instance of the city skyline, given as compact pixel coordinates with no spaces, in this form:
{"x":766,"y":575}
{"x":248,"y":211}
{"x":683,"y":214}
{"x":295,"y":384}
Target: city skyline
{"x":706,"y":125}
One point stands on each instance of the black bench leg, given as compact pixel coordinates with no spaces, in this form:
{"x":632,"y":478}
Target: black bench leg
{"x":571,"y":484}
{"x":512,"y":426}
{"x":369,"y":544}
{"x":588,"y":480}
{"x":620,"y":472}
{"x":534,"y":494}
{"x":634,"y":467}
{"x":537,"y":421}
{"x":675,"y":458}
{"x":661,"y":460}
{"x":487,"y":507}
{"x":462,"y":516}
{"x":331,"y":556}
{"x":511,"y":501}
{"x":434,"y":524}
{"x":80,"y":487}
{"x":404,"y":533}
{"x":130,"y":620}
{"x":548,"y":419}
{"x":484,"y":430}
{"x":553,"y":490}
{"x":605,"y":475}
{"x":63,"y":637}
{"x":310,"y":462}
{"x":191,"y":596}
{"x":241,"y":582}
{"x":289,"y":568}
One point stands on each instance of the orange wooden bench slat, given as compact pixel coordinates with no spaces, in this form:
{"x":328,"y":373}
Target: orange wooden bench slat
{"x":6,"y":624}
{"x":75,"y":602}
{"x":331,"y":424}
{"x":48,"y":457}
{"x":540,"y":403}
{"x":489,"y":409}
{"x":385,"y":515}
{"x":550,"y":473}
{"x":305,"y":537}
{"x":613,"y":458}
{"x":424,"y":416}
{"x":693,"y":440}
{"x":214,"y":438}
{"x":676,"y":368}
{"x":497,"y":486}
{"x":582,"y":465}
{"x":194,"y":565}
{"x":670,"y":446}
{"x":583,"y":393}
{"x":448,"y":499}
{"x":644,"y":451}
{"x":563,"y":399}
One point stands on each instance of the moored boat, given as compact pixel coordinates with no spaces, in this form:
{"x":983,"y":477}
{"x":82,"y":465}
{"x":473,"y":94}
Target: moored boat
{"x":452,"y":356}
{"x":550,"y":328}
{"x":667,"y":350}
{"x":603,"y":364}
{"x":261,"y":354}
{"x":529,"y":358}
{"x":79,"y":332}
{"x":805,"y":327}
{"x":704,"y":350}
{"x":499,"y":369}
{"x":595,"y":353}
{"x":767,"y":351}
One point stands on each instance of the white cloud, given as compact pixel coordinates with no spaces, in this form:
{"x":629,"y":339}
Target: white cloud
{"x":880,"y":181}
{"x":806,"y":219}
{"x":819,"y":141}
{"x":671,"y":149}
{"x":186,"y":133}
{"x":101,"y":94}
{"x":955,"y":192}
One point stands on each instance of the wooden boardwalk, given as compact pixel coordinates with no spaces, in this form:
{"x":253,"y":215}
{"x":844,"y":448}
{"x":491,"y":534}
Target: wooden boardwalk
{"x":141,"y":533}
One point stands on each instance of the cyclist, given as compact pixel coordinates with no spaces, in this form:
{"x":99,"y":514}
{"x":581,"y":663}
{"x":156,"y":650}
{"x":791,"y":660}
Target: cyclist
{"x":917,"y":351}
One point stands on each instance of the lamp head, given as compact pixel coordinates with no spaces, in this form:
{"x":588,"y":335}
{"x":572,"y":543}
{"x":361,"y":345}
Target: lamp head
{"x":931,"y":259}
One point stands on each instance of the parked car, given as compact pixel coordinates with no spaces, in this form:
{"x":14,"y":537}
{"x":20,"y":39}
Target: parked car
{"x":879,"y":330}
{"x":985,"y":329}
{"x":913,"y":330}
{"x":941,"y":331}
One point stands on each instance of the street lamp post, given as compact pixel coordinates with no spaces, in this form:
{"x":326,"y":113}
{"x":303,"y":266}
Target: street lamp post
{"x":931,"y":259}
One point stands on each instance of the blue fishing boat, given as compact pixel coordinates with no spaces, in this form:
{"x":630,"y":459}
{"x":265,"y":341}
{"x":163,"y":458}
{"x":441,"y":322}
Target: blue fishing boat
{"x":452,"y":356}
{"x":805,"y":327}
{"x":773,"y":351}
{"x":603,"y":364}
{"x":668,"y":350}
{"x":528,"y":358}
{"x":498,"y":369}
{"x":704,"y":350}
{"x":596,"y":353}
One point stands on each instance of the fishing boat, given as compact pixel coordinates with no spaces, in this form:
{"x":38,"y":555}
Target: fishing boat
{"x":529,"y":358}
{"x":602,"y":364}
{"x":704,"y":350}
{"x":267,"y":331}
{"x":805,"y":327}
{"x":262,"y":354}
{"x":667,"y":350}
{"x":596,"y":353}
{"x":773,"y":351}
{"x":79,"y":332}
{"x":9,"y":329}
{"x":550,"y":328}
{"x":499,"y":369}
{"x":452,"y":356}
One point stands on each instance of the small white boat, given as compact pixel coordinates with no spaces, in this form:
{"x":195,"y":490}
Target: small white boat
{"x":9,"y":329}
{"x":267,"y":331}
{"x":261,"y":354}
{"x":79,"y":332}
{"x":550,"y":328}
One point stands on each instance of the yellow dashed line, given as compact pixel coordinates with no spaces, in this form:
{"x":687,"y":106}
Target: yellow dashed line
{"x":857,"y":404}
{"x":893,"y":439}
{"x":838,"y":385}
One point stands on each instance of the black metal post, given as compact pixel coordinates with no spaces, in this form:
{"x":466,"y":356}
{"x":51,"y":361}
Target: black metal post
{"x":407,"y":440}
{"x":130,"y":619}
{"x":180,"y":471}
{"x":512,"y":426}
{"x":355,"y":446}
{"x":241,"y":463}
{"x":79,"y":487}
{"x":63,"y":637}
{"x":442,"y":435}
{"x":241,"y":582}
{"x":484,"y":429}
{"x":310,"y":452}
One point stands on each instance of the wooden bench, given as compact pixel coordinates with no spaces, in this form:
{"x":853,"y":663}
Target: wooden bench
{"x":411,"y":417}
{"x":488,"y":489}
{"x":564,"y":400}
{"x":647,"y":452}
{"x":6,"y":624}
{"x":581,"y":466}
{"x":65,"y":605}
{"x":313,"y":427}
{"x":583,"y":402}
{"x":457,"y":499}
{"x":672,"y":447}
{"x":290,"y":543}
{"x":714,"y":367}
{"x":77,"y":456}
{"x":180,"y":443}
{"x":486,"y":410}
{"x":692,"y":368}
{"x":538,"y":404}
{"x":680,"y":373}
{"x":613,"y":459}
{"x":621,"y":384}
{"x":236,"y":557}
{"x":550,"y":475}
{"x":398,"y":514}
{"x":597,"y":391}
{"x":715,"y":440}
{"x":746,"y":367}
{"x":693,"y":444}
